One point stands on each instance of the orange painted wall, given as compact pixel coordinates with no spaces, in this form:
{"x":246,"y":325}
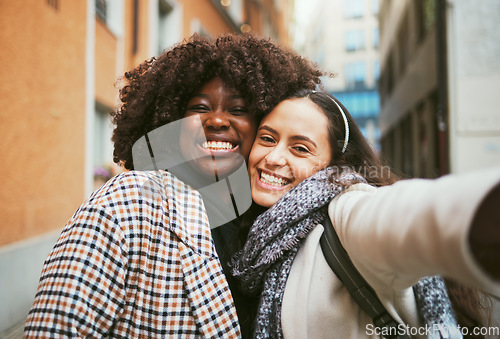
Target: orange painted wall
{"x":204,"y":10}
{"x":254,"y":19}
{"x":42,"y":82}
{"x":280,"y":19}
{"x":42,"y":92}
{"x":208,"y":15}
{"x":133,"y":59}
{"x":105,"y":64}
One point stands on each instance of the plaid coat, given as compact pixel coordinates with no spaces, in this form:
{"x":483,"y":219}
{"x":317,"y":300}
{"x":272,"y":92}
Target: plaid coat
{"x":135,"y":260}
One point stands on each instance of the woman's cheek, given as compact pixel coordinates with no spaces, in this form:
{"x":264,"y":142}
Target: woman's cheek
{"x":256,"y":154}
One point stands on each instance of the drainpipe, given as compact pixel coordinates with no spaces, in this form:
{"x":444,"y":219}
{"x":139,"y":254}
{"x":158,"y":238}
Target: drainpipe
{"x":442,"y":113}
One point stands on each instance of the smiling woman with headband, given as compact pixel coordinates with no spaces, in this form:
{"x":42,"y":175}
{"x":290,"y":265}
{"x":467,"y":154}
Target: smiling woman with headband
{"x":310,"y":167}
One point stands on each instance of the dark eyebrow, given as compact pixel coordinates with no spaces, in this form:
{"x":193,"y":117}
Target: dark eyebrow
{"x":268,"y":129}
{"x":295,"y":137}
{"x":303,"y":137}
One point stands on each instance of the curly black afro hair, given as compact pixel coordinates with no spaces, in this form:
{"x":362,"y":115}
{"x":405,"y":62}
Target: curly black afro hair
{"x":157,"y":91}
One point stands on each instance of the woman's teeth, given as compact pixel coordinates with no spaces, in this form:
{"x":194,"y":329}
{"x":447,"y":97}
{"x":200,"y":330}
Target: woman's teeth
{"x":217,"y":145}
{"x":272,"y":180}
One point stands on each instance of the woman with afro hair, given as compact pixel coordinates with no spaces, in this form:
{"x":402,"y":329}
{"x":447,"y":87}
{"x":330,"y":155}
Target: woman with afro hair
{"x":139,"y":258}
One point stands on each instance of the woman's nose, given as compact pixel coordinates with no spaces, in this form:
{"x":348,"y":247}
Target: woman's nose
{"x":217,"y":120}
{"x":276,"y":157}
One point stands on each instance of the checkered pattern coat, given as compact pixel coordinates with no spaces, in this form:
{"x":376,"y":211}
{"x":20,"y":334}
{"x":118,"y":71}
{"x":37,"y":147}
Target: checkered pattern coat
{"x":136,"y":260}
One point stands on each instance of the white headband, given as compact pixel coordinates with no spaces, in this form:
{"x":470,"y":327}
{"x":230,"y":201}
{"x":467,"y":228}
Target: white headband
{"x":346,"y":124}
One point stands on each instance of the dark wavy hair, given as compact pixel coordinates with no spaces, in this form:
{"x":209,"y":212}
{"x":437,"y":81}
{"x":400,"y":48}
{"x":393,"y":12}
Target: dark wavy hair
{"x":157,"y":91}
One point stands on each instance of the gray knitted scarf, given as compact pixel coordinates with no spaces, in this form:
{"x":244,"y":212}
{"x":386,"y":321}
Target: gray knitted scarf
{"x":263,"y":265}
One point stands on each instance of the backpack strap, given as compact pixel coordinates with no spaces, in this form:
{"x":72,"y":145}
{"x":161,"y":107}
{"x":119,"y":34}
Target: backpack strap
{"x":364,"y":295}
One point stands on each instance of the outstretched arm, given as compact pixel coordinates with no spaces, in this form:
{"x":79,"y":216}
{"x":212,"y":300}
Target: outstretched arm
{"x":397,"y":234}
{"x":484,"y":236}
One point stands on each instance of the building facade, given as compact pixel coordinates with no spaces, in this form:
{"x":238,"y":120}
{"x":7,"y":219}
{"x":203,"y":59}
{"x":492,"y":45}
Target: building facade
{"x":439,"y":82}
{"x":344,"y":39}
{"x":61,"y":60}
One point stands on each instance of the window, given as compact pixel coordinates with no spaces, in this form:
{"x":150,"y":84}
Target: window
{"x":320,"y":56}
{"x":111,"y":14}
{"x":102,"y":146}
{"x":403,"y":46}
{"x":389,"y":77}
{"x":169,"y":23}
{"x":429,"y":13}
{"x":354,"y":8}
{"x":375,"y":6}
{"x":376,"y":70}
{"x":355,"y":74}
{"x":364,"y":107}
{"x":197,"y":27}
{"x":354,"y":40}
{"x":235,"y":10}
{"x":53,"y":3}
{"x":365,"y":104}
{"x":101,"y":9}
{"x":164,"y":11}
{"x":375,"y":38}
{"x":426,"y":16}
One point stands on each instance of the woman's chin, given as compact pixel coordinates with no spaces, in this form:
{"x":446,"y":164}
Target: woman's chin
{"x":266,"y":194}
{"x":266,"y":199}
{"x":219,"y":168}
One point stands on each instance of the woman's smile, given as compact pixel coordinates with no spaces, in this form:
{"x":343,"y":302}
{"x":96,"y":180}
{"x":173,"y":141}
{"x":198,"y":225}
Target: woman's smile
{"x":271,"y":181}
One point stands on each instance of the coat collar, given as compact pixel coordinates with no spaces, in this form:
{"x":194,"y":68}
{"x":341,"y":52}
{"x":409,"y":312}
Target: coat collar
{"x":187,"y":216}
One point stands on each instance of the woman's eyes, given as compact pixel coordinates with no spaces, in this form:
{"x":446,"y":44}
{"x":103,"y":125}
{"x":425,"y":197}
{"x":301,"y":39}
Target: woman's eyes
{"x":238,"y":110}
{"x":266,"y":139}
{"x":199,"y":108}
{"x":301,"y":149}
{"x":269,"y":140}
